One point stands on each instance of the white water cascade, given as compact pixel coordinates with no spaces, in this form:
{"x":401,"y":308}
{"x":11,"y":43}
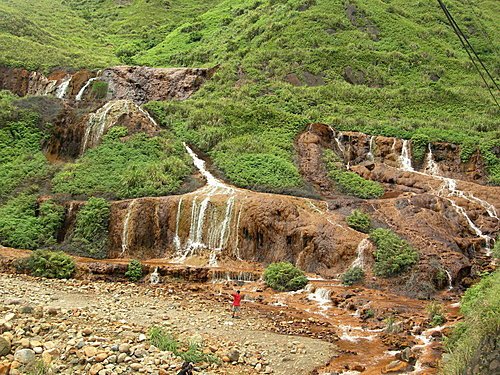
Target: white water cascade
{"x":405,"y":158}
{"x":209,"y":224}
{"x":450,"y":279}
{"x":63,"y":88}
{"x":449,"y":189}
{"x":79,"y":96}
{"x":100,"y":121}
{"x":125,"y":232}
{"x":339,"y":143}
{"x":363,"y":245}
{"x":431,"y":167}
{"x":370,"y":156}
{"x":322,"y":297}
{"x":154,"y":278}
{"x":234,"y":276}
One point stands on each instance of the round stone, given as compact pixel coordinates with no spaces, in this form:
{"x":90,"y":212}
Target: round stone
{"x":25,"y":356}
{"x":4,"y":347}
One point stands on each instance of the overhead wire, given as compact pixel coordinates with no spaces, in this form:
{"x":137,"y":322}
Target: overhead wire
{"x":465,"y":43}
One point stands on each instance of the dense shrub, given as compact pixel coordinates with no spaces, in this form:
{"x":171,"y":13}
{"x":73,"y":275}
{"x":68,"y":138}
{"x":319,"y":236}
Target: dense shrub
{"x":496,"y":249}
{"x":25,"y":225}
{"x":419,"y":146}
{"x":90,"y":237}
{"x":359,"y":221}
{"x":99,"y":89}
{"x":134,"y":270}
{"x":51,"y":264}
{"x":393,"y":255}
{"x":352,"y":276}
{"x":480,"y":306}
{"x":436,"y":314}
{"x":284,"y":276}
{"x":21,"y":159}
{"x":135,"y":167}
{"x":349,"y":182}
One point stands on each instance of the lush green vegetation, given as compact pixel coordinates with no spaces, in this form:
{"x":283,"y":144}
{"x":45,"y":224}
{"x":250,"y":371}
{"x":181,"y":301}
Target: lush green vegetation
{"x":284,"y":276}
{"x":90,"y":236}
{"x":51,"y":264}
{"x":393,"y":255}
{"x":134,"y":270}
{"x":190,"y":352}
{"x":21,"y":160}
{"x":480,"y":306}
{"x":27,"y":224}
{"x":353,"y":276}
{"x":383,"y":68}
{"x":349,"y":182}
{"x":138,"y":166}
{"x":436,"y":314}
{"x":359,"y":221}
{"x":86,"y":33}
{"x":293,"y":57}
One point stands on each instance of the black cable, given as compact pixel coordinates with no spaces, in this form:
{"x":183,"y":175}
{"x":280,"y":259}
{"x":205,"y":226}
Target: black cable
{"x":470,"y":46}
{"x":460,"y":35}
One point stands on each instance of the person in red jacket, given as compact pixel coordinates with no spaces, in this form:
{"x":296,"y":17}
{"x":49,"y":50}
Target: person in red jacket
{"x":236,"y":303}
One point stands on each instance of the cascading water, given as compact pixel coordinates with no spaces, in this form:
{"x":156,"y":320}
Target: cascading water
{"x":405,"y":158}
{"x":219,"y":276}
{"x":322,"y":297}
{"x":364,"y":244}
{"x":449,"y":189}
{"x":63,"y":88}
{"x":100,"y":121}
{"x":338,"y":140}
{"x":370,"y":156}
{"x":177,"y":240}
{"x":154,"y":278}
{"x":125,"y":231}
{"x":79,"y":96}
{"x":236,"y":246}
{"x":450,"y":279}
{"x":431,"y":167}
{"x":210,"y":224}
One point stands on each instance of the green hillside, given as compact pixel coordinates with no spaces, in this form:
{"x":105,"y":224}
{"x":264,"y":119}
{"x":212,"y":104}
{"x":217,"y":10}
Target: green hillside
{"x":42,"y":34}
{"x":384,"y":67}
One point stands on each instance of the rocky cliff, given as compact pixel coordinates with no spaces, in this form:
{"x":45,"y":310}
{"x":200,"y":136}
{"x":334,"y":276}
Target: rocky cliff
{"x":451,"y":221}
{"x":138,"y":84}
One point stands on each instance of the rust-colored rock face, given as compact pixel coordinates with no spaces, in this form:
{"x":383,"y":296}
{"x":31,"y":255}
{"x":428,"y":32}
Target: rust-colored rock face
{"x":84,"y":119}
{"x":73,"y":133}
{"x":210,"y":227}
{"x":450,"y":221}
{"x":135,"y":83}
{"x":142,"y":84}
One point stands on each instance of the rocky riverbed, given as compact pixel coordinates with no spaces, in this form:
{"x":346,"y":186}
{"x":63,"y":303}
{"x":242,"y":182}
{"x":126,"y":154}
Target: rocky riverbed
{"x":81,"y":327}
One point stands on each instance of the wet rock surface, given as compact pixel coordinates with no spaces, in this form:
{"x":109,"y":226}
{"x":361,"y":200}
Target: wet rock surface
{"x":80,"y":326}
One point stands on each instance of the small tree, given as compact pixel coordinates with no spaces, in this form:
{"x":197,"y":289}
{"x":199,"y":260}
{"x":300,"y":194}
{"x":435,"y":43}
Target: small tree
{"x":134,"y":270}
{"x":352,"y":276}
{"x":359,"y":221}
{"x":393,"y":255}
{"x":51,"y":264}
{"x":284,"y":276}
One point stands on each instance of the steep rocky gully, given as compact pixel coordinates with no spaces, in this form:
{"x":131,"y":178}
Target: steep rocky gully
{"x":220,"y":236}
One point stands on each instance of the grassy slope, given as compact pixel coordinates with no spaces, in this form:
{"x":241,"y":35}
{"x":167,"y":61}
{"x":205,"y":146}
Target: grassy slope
{"x":248,"y":116}
{"x":43,"y":34}
{"x":258,"y":43}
